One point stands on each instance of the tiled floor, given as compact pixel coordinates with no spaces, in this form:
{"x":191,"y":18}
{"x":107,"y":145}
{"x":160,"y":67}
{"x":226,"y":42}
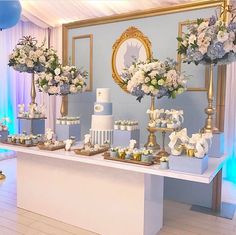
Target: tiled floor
{"x":178,"y":219}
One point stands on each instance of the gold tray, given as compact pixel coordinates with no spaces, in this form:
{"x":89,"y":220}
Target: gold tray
{"x":51,"y":147}
{"x":90,"y":153}
{"x":18,"y":144}
{"x":107,"y":157}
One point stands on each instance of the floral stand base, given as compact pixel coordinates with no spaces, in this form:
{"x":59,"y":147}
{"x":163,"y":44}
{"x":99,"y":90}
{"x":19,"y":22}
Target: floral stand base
{"x":33,"y":126}
{"x":3,"y":136}
{"x":122,"y":137}
{"x":188,"y":164}
{"x":64,"y":132}
{"x":216,"y":148}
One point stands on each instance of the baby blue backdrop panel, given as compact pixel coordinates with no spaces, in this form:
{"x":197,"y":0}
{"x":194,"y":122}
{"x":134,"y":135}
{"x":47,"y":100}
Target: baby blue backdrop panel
{"x":162,"y":32}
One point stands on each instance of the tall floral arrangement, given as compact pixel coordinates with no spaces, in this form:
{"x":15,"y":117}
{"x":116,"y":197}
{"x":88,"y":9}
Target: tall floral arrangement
{"x":210,"y":41}
{"x":28,"y":56}
{"x":154,"y":78}
{"x":62,"y":80}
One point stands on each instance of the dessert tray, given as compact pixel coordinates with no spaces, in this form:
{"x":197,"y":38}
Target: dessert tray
{"x":108,"y":157}
{"x":51,"y":147}
{"x":19,"y":144}
{"x":91,"y":151}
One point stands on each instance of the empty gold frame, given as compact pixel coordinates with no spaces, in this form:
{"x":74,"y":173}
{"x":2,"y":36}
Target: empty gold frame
{"x":82,"y":56}
{"x":130,"y":46}
{"x":182,"y":26}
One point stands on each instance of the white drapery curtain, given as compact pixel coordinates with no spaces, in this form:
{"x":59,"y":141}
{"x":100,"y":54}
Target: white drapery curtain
{"x":14,"y":86}
{"x":230,"y":122}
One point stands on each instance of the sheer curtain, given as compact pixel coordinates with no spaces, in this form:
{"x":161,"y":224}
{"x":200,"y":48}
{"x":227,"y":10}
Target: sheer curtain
{"x":15,"y":86}
{"x":230,"y":122}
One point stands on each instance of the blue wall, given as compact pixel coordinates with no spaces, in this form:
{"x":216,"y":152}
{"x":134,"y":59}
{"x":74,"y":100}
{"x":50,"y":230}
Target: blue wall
{"x":162,"y":32}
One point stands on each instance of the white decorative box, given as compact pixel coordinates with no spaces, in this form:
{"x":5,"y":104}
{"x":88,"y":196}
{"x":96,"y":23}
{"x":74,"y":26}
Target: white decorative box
{"x":33,"y":126}
{"x":3,"y":135}
{"x":64,"y":132}
{"x":122,"y":138}
{"x":216,"y":149}
{"x":188,"y":164}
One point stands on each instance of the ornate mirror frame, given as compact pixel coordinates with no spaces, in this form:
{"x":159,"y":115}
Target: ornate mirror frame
{"x":130,"y":33}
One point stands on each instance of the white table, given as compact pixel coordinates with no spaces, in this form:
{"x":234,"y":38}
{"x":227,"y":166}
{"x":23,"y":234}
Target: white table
{"x":106,"y":197}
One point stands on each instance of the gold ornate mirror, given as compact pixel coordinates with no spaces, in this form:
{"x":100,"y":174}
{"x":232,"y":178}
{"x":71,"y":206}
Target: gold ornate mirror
{"x":132,"y":45}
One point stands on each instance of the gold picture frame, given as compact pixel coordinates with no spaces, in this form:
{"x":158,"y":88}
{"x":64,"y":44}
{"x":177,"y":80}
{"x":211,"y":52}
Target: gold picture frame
{"x":90,"y":70}
{"x":181,"y":26}
{"x":124,"y":52}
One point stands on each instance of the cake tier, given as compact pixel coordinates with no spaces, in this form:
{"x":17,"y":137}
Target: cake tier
{"x":103,"y":95}
{"x":102,"y":122}
{"x":101,"y":108}
{"x":101,"y":137}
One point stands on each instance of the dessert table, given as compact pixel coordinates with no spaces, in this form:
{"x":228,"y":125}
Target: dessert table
{"x":103,"y":196}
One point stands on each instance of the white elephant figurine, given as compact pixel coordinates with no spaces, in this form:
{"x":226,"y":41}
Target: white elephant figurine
{"x":68,"y":145}
{"x":132,"y":144}
{"x":21,"y":110}
{"x":177,"y":140}
{"x":49,"y":134}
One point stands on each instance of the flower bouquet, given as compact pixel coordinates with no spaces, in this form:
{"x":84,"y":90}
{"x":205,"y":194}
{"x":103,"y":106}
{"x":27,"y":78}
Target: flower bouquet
{"x":29,"y":57}
{"x":210,"y":41}
{"x":154,"y":78}
{"x":62,"y":80}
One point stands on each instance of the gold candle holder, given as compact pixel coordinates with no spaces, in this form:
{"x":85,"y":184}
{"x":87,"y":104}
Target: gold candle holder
{"x":33,"y":91}
{"x":2,"y":176}
{"x":210,"y":110}
{"x":152,"y":142}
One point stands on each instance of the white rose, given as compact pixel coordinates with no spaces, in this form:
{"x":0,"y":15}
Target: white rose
{"x":161,"y":82}
{"x":39,"y":53}
{"x":222,"y":36}
{"x":203,"y":49}
{"x":73,"y":89}
{"x":154,"y":82}
{"x":228,"y":46}
{"x":171,"y":75}
{"x":145,"y":88}
{"x":147,"y":79}
{"x":151,"y":88}
{"x":153,"y":73}
{"x":42,"y":59}
{"x":22,"y":61}
{"x":231,"y":36}
{"x":202,"y":26}
{"x":53,"y":90}
{"x":29,"y":63}
{"x":192,"y":38}
{"x":57,"y":71}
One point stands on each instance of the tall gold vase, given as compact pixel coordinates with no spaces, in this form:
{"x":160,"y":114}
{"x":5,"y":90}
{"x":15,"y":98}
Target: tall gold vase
{"x":152,"y":142}
{"x":210,"y":110}
{"x":64,"y":106}
{"x":33,"y":91}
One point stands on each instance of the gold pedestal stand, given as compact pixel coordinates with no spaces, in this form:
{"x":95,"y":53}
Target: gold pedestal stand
{"x":64,"y":108}
{"x":33,"y":91}
{"x":2,"y":176}
{"x":163,"y":152}
{"x":152,"y":142}
{"x":210,"y":110}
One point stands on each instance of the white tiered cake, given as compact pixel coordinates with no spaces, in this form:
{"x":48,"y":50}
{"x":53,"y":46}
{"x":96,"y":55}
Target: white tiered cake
{"x":102,"y":121}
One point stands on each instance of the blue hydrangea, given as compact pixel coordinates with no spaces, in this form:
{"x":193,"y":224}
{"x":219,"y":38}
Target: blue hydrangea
{"x":212,"y":20}
{"x":64,"y":89}
{"x":193,"y":55}
{"x":232,"y":26}
{"x":216,"y":51}
{"x":162,"y":92}
{"x":138,"y":92}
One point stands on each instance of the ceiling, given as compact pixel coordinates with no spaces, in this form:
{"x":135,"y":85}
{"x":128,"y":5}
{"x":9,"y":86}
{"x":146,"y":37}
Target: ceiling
{"x":51,"y":13}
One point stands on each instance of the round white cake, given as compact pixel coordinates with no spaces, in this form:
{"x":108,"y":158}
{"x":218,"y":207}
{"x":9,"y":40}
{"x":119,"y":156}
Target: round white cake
{"x":102,"y":121}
